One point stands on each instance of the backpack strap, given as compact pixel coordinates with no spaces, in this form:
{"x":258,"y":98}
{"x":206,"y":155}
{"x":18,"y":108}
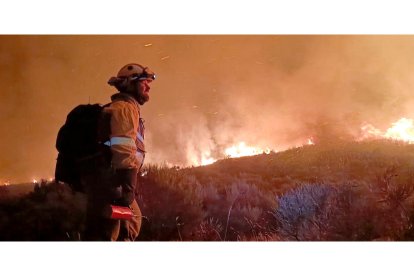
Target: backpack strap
{"x":104,"y":128}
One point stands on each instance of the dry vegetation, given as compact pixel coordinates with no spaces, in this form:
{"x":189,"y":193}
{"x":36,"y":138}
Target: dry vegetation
{"x":337,"y":192}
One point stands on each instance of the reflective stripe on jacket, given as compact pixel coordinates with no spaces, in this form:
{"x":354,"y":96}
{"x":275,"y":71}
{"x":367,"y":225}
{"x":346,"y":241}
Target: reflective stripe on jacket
{"x":126,"y":132}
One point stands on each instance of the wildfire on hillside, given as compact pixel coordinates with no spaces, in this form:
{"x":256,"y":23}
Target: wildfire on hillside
{"x":401,"y":130}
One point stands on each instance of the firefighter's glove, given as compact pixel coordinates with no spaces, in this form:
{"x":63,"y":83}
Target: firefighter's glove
{"x":126,"y":179}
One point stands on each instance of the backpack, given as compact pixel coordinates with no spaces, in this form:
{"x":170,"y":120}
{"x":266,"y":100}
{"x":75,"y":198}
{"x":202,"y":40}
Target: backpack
{"x":80,"y":145}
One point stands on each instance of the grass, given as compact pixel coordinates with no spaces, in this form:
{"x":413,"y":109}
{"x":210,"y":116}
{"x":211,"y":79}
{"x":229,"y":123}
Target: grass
{"x":342,"y":191}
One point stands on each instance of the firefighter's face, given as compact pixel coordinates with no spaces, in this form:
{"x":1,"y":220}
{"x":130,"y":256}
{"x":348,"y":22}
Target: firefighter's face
{"x":141,"y":90}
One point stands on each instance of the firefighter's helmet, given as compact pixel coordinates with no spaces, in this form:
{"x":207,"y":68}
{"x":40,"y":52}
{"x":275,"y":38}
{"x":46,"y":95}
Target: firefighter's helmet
{"x":136,"y":72}
{"x":130,"y":73}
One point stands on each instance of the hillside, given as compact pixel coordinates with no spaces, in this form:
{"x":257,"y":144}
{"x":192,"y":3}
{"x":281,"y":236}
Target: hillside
{"x":356,"y":163}
{"x":337,"y":191}
{"x":16,"y":189}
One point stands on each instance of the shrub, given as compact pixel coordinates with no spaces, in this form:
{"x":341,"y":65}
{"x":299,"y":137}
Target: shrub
{"x":298,"y":208}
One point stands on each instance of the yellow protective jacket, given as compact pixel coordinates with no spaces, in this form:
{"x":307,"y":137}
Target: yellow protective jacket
{"x":126,"y":132}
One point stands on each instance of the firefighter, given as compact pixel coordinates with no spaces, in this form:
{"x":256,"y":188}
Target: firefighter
{"x":116,"y":183}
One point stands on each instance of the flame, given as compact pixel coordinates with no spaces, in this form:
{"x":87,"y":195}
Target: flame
{"x":35,"y":181}
{"x":402,"y":130}
{"x":369,"y":131}
{"x":207,"y":160}
{"x":200,"y":159}
{"x":241,"y":149}
{"x":236,"y":150}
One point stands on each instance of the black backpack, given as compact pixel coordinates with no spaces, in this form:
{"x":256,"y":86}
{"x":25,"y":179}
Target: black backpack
{"x":80,"y":145}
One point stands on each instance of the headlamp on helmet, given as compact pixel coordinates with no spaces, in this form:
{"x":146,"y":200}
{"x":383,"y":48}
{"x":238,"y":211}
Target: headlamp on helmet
{"x":135,"y":72}
{"x":146,"y":74}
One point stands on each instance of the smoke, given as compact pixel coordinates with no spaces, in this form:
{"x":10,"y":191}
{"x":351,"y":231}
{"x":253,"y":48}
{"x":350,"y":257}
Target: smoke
{"x":211,"y":91}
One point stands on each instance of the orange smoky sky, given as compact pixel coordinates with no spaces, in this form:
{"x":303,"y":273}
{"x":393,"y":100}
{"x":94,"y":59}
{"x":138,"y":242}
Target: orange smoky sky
{"x":211,"y":91}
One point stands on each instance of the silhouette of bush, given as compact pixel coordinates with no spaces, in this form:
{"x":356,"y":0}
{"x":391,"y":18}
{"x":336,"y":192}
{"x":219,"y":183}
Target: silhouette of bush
{"x":50,"y":213}
{"x":179,"y":207}
{"x":167,"y":200}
